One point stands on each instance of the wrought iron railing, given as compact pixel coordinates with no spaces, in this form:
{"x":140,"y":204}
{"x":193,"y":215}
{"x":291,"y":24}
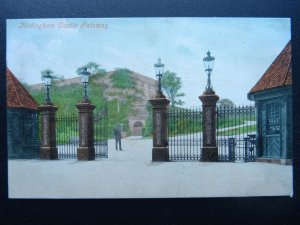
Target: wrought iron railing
{"x":236,"y":129}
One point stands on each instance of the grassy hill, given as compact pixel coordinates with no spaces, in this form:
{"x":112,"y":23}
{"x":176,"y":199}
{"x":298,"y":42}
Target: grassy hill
{"x":117,"y":89}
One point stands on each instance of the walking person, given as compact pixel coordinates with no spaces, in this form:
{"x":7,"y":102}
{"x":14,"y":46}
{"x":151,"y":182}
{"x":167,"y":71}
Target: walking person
{"x":118,"y":136}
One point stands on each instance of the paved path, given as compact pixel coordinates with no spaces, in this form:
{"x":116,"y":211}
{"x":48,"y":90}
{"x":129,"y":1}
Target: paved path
{"x":244,"y":124}
{"x":131,"y":174}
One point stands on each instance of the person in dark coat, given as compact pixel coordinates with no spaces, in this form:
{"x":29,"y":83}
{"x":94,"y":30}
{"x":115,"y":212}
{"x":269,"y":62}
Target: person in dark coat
{"x":118,"y":136}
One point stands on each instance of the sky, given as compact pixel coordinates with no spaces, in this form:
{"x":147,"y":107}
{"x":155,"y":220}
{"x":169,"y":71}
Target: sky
{"x":243,"y":48}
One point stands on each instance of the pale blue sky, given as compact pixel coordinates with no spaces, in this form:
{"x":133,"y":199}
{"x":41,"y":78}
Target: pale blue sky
{"x":243,"y":47}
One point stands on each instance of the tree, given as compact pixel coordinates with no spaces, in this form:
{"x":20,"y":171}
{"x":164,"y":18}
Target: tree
{"x":94,"y":69}
{"x":124,"y":90}
{"x":171,"y":84}
{"x":148,"y":129}
{"x":225,"y":103}
{"x":122,"y":79}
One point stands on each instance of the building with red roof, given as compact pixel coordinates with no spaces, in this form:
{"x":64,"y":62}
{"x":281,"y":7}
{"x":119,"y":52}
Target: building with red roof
{"x":22,"y":120}
{"x":17,"y":96}
{"x":273,"y":99}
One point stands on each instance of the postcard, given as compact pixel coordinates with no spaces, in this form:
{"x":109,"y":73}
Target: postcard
{"x":149,"y":107}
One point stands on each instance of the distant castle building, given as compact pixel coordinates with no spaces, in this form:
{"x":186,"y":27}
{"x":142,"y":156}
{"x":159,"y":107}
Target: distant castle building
{"x":149,"y":86}
{"x":146,"y":85}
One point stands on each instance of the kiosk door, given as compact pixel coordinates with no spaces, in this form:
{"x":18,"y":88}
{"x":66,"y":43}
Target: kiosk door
{"x":272,"y":136}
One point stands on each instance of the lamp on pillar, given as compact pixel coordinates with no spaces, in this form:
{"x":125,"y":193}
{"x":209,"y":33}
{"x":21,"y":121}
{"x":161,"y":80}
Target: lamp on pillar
{"x":208,"y":62}
{"x":48,"y":132}
{"x":159,"y":72}
{"x":160,"y":150}
{"x":85,"y":81}
{"x":47,"y":80}
{"x":86,"y":149}
{"x":209,"y":100}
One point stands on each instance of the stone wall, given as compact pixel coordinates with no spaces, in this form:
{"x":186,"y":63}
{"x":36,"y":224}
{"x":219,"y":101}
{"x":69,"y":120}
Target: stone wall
{"x":74,"y":80}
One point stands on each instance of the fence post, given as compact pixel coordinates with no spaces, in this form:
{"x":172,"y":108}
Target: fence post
{"x":252,"y":147}
{"x":209,"y":149}
{"x":86,"y":150}
{"x":247,"y":146}
{"x":160,"y":150}
{"x":231,"y":149}
{"x":48,"y":145}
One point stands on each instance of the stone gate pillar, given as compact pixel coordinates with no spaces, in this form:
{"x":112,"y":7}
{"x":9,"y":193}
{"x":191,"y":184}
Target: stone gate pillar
{"x":86,"y":150}
{"x":48,"y":145}
{"x":209,"y":149}
{"x":160,"y":150}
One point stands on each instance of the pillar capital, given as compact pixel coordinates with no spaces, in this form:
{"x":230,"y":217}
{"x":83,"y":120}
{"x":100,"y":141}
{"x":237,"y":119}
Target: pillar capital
{"x":85,"y":106}
{"x":209,"y":97}
{"x":159,"y":103}
{"x":47,"y":108}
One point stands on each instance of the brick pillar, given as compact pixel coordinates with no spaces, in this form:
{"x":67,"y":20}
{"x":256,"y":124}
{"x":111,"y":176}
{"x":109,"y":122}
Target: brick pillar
{"x":48,"y":146}
{"x":209,"y":149}
{"x":160,"y":150}
{"x":86,"y":150}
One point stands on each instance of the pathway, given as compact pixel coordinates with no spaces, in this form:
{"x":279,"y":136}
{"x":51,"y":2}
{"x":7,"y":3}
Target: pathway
{"x":131,"y":174}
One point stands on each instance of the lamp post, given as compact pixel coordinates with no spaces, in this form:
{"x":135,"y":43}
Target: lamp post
{"x":209,"y":100}
{"x":160,"y":150}
{"x":159,"y":72}
{"x":86,"y":150}
{"x":85,"y":81}
{"x":208,"y":62}
{"x":47,"y":80}
{"x":48,"y":132}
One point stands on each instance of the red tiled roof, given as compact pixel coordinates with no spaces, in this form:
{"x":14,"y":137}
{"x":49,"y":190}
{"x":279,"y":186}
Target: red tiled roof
{"x":17,"y":95}
{"x":278,"y":74}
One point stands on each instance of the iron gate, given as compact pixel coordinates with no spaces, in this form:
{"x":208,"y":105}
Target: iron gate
{"x":236,"y":129}
{"x":241,"y":150}
{"x":101,"y":132}
{"x":184,"y":136}
{"x":67,"y":134}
